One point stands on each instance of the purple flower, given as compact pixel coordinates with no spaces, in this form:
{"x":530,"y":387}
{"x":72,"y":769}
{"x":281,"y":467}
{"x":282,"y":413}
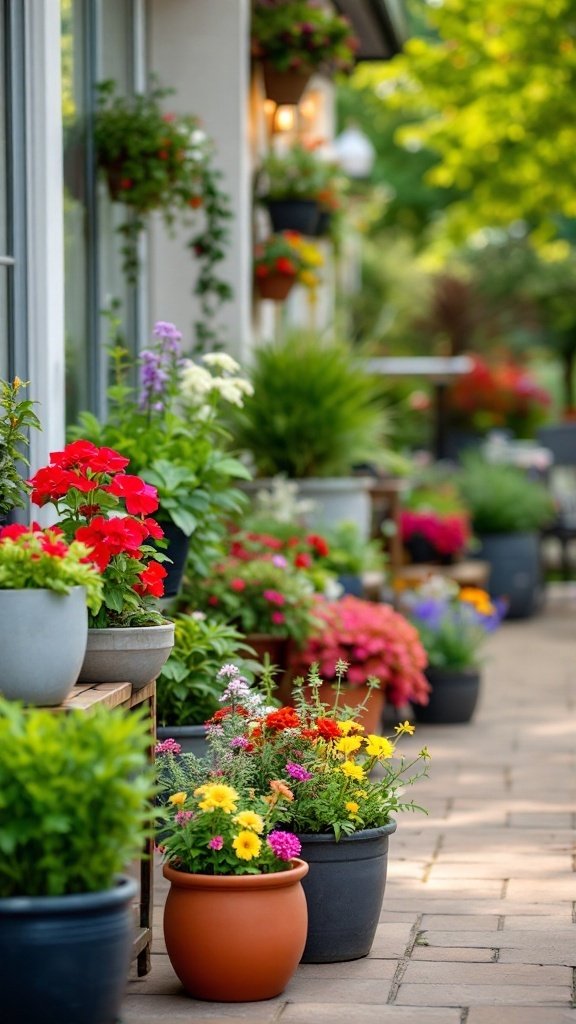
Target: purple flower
{"x":279,"y":561}
{"x":297,"y":771}
{"x":216,"y":843}
{"x":430,"y":612}
{"x":168,"y":746}
{"x":164,"y":329}
{"x":239,"y":741}
{"x":285,"y":845}
{"x":228,"y":671}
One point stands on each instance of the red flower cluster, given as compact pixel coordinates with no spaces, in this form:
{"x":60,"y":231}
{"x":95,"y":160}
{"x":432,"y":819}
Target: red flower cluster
{"x":497,"y":396}
{"x":448,"y":534}
{"x":107,"y":509}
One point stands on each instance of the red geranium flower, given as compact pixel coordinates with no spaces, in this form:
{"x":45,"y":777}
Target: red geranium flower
{"x":51,"y":483}
{"x":284,"y":718}
{"x":140,"y":497}
{"x":327,"y":728}
{"x":78,"y":453}
{"x":151,"y":580}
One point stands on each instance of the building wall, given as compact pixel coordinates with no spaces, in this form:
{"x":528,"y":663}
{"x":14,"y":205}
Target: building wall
{"x":201,"y":49}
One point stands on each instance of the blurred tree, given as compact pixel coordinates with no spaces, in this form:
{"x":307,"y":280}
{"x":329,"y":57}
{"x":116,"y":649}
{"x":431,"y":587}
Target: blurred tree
{"x":492,"y":93}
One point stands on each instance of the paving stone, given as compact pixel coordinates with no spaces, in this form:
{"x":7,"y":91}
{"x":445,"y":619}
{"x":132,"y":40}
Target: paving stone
{"x":521,"y":1015}
{"x":453,"y":955}
{"x":494,"y":974}
{"x":483,"y":995}
{"x":460,"y":922}
{"x":182,"y":1009}
{"x":333,"y":1013}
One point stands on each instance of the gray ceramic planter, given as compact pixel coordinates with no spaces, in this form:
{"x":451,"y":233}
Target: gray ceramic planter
{"x":192,"y":738}
{"x":453,"y":698}
{"x":42,"y":643}
{"x":344,"y":891}
{"x":132,"y":655}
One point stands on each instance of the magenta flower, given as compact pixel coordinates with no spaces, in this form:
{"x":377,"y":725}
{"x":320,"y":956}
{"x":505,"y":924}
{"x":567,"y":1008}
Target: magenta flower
{"x":183,"y":816}
{"x":285,"y":845}
{"x":278,"y":618}
{"x":216,"y":843}
{"x":297,"y":771}
{"x":168,"y":746}
{"x":275,"y":597}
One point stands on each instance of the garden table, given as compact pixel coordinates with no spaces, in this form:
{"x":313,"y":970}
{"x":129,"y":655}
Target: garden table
{"x":84,"y":697}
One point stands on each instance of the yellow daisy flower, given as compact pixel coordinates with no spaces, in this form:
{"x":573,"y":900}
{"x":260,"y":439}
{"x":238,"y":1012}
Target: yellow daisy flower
{"x":350,"y":726}
{"x":177,"y":799}
{"x":352,"y":806}
{"x":247,"y":845}
{"x":404,"y":727}
{"x":348,"y":744}
{"x":219,"y":797}
{"x":352,"y":771}
{"x":250,"y":820}
{"x":379,"y":746}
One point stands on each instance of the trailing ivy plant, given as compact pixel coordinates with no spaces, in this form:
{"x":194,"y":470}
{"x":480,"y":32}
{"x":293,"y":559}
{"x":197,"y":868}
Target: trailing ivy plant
{"x":155,"y":161}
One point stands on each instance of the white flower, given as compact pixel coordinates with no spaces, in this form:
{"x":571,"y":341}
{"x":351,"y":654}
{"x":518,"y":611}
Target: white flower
{"x":221,"y":361}
{"x":195,"y":381}
{"x":230,"y":389}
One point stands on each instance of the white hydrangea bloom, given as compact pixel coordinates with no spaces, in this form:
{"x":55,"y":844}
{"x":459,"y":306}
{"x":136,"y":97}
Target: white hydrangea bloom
{"x":221,"y":361}
{"x":196,"y":381}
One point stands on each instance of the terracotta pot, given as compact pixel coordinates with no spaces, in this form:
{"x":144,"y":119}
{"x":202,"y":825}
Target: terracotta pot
{"x":276,"y":286}
{"x":235,"y":938}
{"x":284,"y":87}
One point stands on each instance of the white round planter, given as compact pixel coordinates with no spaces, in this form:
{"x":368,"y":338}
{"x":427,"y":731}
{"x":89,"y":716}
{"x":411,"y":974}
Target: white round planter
{"x":336,"y":500}
{"x":133,"y":654}
{"x":42,"y":644}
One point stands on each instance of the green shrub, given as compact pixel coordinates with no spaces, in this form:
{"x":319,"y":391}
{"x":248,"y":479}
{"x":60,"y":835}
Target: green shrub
{"x":74,"y":791}
{"x":188,"y":687}
{"x":502,"y":499}
{"x":315,"y":410}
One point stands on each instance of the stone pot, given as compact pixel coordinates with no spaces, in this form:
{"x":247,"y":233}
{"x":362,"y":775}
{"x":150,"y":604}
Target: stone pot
{"x":42,"y":643}
{"x":337,"y":499}
{"x":132,"y":654}
{"x":344,"y":891}
{"x":192,"y":738}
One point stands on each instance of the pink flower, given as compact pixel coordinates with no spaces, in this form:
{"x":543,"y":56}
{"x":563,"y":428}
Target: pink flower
{"x":275,"y":597}
{"x":168,"y":746}
{"x":278,"y":618}
{"x":285,"y":845}
{"x":216,"y":843}
{"x":297,"y":771}
{"x":183,"y":816}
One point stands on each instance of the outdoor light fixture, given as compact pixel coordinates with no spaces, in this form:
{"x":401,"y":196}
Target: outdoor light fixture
{"x":354,"y":152}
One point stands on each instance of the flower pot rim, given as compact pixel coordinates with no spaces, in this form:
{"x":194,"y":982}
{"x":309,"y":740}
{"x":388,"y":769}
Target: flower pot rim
{"x":359,"y":835}
{"x":270,"y":880}
{"x":41,"y":590}
{"x":124,"y":889}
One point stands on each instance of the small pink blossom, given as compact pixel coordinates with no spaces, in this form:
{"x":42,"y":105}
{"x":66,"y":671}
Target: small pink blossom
{"x":278,"y":618}
{"x":275,"y":597}
{"x":216,"y":843}
{"x":168,"y":746}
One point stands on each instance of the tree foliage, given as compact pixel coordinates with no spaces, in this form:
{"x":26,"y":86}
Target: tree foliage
{"x":492,"y":93}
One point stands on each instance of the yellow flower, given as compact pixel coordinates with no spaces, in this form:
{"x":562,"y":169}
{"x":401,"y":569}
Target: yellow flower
{"x":17,"y":384}
{"x":350,"y":726}
{"x":308,"y":278}
{"x":200,"y":791}
{"x":361,"y":793}
{"x":478,"y":598}
{"x":247,"y":845}
{"x":352,"y":806}
{"x":352,"y":771}
{"x":404,"y":727}
{"x":219,"y":797}
{"x":177,"y":799}
{"x":348,"y":744}
{"x":379,"y":746}
{"x":251,"y":820}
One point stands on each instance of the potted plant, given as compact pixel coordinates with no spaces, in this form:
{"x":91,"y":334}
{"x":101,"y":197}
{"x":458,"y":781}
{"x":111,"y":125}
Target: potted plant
{"x":17,"y":416}
{"x":45,"y":586}
{"x":269,"y":601}
{"x":109,"y":510}
{"x":295,"y":38}
{"x":507,"y":511}
{"x":188,"y":687}
{"x":155,"y":160}
{"x":314,"y":415}
{"x":321,"y":761}
{"x":283,"y":260}
{"x":375,"y":642}
{"x":229,"y":865}
{"x":453,"y":625}
{"x":75,"y":791}
{"x":434,"y":524}
{"x":290,"y":184}
{"x":169,"y":427}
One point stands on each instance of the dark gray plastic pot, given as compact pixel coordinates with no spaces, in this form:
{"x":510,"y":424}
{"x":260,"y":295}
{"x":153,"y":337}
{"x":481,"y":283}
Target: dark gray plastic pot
{"x":344,"y":891}
{"x":65,"y":959}
{"x":453,"y":698}
{"x":515,"y":570}
{"x":192,"y":738}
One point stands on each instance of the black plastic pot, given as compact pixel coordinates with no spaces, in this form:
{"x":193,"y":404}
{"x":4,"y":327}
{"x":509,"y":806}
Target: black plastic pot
{"x":422,"y":551}
{"x":294,"y":215}
{"x":65,"y":959}
{"x":453,"y":698}
{"x":177,"y":551}
{"x":515,"y":571}
{"x":192,"y":738}
{"x":344,"y":891}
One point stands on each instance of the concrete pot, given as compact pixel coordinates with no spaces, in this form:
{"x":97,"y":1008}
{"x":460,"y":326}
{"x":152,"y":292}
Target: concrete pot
{"x":515,"y":570}
{"x":133,"y":654}
{"x":42,"y":643}
{"x":336,"y":499}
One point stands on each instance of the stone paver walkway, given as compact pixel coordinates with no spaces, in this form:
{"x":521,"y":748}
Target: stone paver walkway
{"x":479,"y":923}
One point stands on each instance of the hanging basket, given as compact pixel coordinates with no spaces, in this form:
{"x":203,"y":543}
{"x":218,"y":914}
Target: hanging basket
{"x":300,"y":215}
{"x":284,"y":87}
{"x":276,"y":286}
